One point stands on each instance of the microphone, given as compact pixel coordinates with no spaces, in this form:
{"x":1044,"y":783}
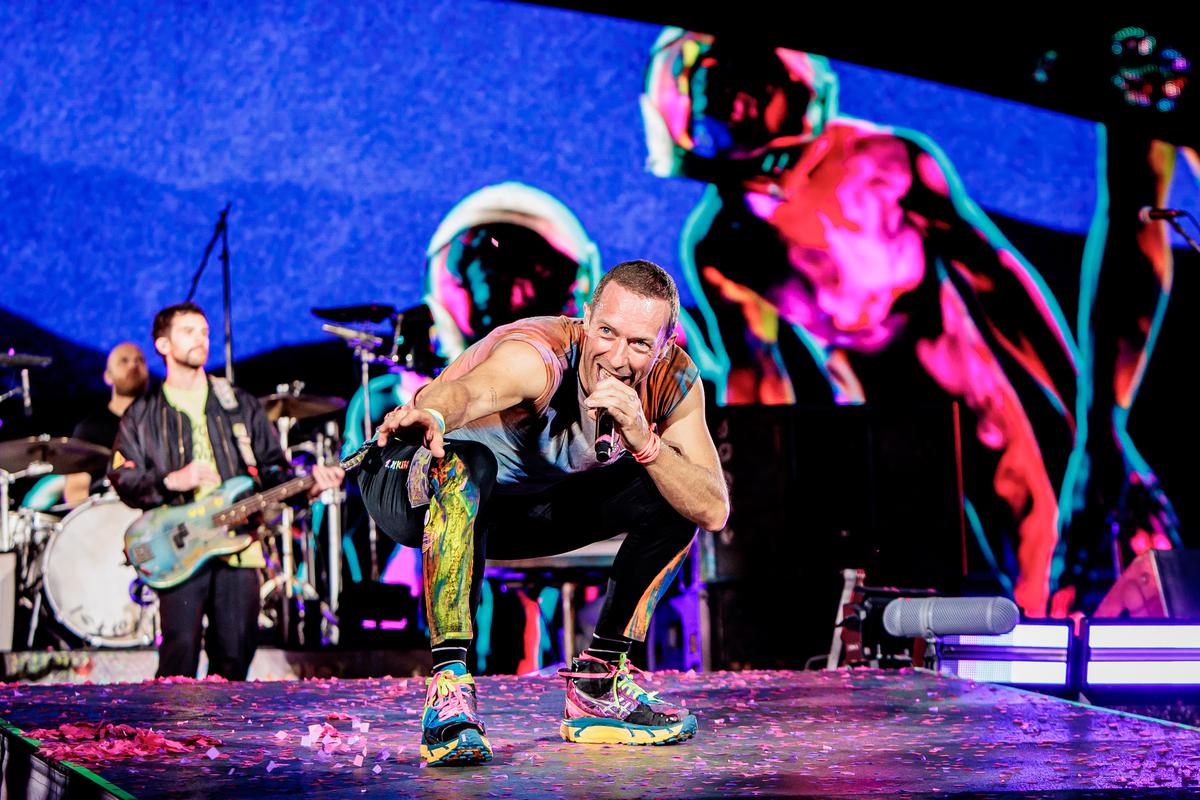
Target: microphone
{"x":605,"y":433}
{"x":26,"y":400}
{"x":1149,"y":213}
{"x":909,"y":618}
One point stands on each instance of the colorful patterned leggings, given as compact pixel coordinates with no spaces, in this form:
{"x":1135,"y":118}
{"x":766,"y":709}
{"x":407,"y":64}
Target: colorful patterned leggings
{"x":468,"y":519}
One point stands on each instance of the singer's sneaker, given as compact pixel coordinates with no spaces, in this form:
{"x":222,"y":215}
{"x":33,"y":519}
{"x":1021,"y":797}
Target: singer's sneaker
{"x":605,"y":706}
{"x":452,"y":733}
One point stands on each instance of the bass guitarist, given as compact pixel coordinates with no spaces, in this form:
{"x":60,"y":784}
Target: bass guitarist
{"x":176,"y":445}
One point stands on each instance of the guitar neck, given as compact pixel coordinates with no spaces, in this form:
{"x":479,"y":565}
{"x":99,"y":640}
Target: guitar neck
{"x":242,"y":510}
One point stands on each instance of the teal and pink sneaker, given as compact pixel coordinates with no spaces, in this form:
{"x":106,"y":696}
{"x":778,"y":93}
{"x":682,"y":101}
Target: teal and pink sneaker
{"x":452,"y":733}
{"x":605,"y":706}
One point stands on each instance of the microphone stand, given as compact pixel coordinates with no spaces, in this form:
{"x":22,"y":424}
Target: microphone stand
{"x":364,"y":344}
{"x":1179,"y":229}
{"x":222,"y":231}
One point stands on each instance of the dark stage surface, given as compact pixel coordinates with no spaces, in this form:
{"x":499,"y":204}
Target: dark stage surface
{"x":768,"y":734}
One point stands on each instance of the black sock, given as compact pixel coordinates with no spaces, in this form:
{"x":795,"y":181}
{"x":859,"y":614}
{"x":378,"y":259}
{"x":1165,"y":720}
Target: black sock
{"x":609,"y":648}
{"x":449,"y":652}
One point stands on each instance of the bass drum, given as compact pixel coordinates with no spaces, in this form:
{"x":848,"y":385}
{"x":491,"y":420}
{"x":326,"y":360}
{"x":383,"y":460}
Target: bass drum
{"x":88,"y":584}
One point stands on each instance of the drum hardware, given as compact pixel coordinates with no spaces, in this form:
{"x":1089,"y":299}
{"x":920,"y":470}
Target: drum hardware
{"x":363,"y":344}
{"x":334,"y":500}
{"x":290,"y":406}
{"x":41,"y":455}
{"x":411,"y":350}
{"x":8,"y":532}
{"x":13,"y":359}
{"x":61,"y":454}
{"x":31,"y":530}
{"x":24,"y":361}
{"x":287,"y":403}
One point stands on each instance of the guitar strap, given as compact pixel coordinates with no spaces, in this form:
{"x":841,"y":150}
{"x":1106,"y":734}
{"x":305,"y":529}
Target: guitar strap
{"x":228,"y":400}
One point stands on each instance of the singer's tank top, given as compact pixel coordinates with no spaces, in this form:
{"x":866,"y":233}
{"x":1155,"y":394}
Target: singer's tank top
{"x":538,"y":444}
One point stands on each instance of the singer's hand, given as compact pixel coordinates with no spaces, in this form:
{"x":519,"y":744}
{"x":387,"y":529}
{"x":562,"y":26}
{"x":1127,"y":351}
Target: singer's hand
{"x":625,"y":407}
{"x":412,"y":424}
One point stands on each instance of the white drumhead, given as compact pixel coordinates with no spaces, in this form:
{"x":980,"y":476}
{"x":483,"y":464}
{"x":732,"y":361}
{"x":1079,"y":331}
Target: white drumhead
{"x":86,"y":579}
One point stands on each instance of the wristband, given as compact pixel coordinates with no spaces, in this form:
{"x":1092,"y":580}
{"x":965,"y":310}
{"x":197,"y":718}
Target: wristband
{"x":437,"y":417}
{"x":650,"y":451}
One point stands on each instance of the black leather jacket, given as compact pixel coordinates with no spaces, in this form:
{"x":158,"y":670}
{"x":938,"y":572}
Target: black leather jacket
{"x":155,"y":439}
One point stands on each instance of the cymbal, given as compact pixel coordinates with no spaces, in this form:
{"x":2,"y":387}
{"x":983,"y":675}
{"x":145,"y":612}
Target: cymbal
{"x":12,"y":359}
{"x":372,"y":312}
{"x":299,"y":406}
{"x":63,"y":454}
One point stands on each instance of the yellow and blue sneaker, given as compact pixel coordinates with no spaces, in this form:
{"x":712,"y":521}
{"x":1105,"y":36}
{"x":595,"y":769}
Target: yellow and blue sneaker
{"x":451,"y":732}
{"x":605,"y":705}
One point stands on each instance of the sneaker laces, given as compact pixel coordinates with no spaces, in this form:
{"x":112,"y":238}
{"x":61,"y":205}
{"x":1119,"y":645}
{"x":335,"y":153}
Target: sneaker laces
{"x":446,"y":695}
{"x":621,"y":673}
{"x":624,"y":680}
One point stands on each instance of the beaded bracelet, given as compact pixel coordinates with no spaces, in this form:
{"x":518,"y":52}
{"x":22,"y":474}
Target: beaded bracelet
{"x":650,"y":451}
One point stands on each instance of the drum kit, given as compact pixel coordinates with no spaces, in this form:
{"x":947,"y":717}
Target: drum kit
{"x":71,"y":568}
{"x":70,"y":561}
{"x":75,"y":562}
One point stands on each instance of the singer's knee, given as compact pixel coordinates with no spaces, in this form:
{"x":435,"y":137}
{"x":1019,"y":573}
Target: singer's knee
{"x":479,"y":463}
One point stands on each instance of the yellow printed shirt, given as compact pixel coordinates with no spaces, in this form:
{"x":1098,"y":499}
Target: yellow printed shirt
{"x":191,"y":403}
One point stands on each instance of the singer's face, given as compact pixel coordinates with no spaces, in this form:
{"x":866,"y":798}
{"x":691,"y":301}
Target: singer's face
{"x":625,"y":335}
{"x":187,"y":344}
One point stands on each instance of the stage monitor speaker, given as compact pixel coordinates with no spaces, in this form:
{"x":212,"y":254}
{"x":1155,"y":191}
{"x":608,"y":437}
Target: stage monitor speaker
{"x":1159,"y":584}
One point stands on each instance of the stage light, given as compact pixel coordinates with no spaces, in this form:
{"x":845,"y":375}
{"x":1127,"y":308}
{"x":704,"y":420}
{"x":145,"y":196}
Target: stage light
{"x":1035,"y":654}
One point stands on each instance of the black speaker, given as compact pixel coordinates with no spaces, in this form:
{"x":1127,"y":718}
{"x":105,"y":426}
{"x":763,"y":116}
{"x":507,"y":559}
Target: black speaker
{"x":876,"y":488}
{"x":754,"y":444}
{"x":372,"y":614}
{"x":815,"y":490}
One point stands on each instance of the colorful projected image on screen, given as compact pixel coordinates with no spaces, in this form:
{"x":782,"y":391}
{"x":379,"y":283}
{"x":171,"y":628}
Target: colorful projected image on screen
{"x":841,"y":234}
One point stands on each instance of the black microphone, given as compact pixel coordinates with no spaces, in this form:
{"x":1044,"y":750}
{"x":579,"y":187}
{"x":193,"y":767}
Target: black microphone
{"x":27,"y":401}
{"x":909,"y":617}
{"x":605,"y":433}
{"x":1149,"y":213}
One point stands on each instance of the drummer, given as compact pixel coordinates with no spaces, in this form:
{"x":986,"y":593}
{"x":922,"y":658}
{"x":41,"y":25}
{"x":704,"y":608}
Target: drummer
{"x":126,"y":375}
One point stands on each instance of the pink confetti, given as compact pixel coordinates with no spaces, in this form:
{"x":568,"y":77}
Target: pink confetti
{"x":90,"y":742}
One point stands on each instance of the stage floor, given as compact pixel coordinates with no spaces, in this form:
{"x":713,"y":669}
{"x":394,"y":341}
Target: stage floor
{"x":762,"y":734}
